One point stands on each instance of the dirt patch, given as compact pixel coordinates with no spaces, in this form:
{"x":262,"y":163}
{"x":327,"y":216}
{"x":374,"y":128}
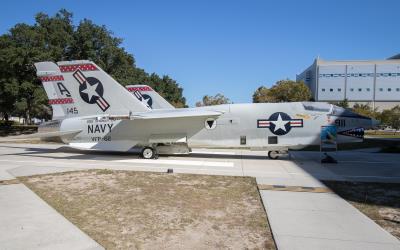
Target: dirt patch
{"x":9,"y":182}
{"x":140,"y":210}
{"x":379,"y":201}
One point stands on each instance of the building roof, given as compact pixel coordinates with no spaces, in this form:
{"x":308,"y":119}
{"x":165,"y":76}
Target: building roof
{"x":341,"y":62}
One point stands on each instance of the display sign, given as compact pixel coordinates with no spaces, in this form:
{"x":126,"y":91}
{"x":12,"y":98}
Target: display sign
{"x":328,"y":138}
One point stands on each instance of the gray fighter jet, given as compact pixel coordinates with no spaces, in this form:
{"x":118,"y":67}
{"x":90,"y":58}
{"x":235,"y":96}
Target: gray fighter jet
{"x":93,"y":111}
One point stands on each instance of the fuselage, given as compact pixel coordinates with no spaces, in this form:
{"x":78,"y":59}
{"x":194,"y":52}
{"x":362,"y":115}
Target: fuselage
{"x":269,"y":126}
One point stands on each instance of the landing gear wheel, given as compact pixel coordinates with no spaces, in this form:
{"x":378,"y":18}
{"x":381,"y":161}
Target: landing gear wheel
{"x":273,"y":155}
{"x":148,"y":153}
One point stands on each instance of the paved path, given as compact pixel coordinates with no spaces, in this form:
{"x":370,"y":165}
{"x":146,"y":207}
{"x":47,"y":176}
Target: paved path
{"x":299,"y":220}
{"x":27,"y":222}
{"x":303,"y":220}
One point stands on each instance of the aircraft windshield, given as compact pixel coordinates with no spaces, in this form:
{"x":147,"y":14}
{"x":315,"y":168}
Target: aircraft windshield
{"x":317,"y":106}
{"x":339,"y":111}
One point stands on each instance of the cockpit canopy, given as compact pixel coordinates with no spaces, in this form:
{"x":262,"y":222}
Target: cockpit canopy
{"x":317,"y":106}
{"x":342,"y":112}
{"x":331,"y":110}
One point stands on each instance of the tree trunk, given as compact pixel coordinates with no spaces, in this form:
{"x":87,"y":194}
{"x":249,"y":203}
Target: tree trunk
{"x":28,"y":117}
{"x":28,"y":111}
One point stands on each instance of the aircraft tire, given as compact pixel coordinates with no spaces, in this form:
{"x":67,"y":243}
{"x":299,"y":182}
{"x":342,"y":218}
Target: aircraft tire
{"x":148,"y":153}
{"x":273,"y":155}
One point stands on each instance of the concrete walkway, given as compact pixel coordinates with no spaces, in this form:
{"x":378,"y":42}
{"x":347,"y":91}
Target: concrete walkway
{"x":27,"y":222}
{"x":301,"y":220}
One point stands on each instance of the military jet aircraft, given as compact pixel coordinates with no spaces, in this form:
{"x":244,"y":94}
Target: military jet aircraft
{"x":93,"y":111}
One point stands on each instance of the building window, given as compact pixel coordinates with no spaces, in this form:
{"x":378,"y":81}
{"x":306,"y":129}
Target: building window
{"x":389,"y":89}
{"x":331,"y":90}
{"x":368,"y":89}
{"x":359,"y":90}
{"x":397,"y":89}
{"x":339,"y":89}
{"x":351,"y":89}
{"x":381,"y":89}
{"x":323,"y":90}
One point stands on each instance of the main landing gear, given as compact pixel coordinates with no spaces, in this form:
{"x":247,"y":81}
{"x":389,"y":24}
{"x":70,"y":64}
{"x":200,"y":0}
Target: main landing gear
{"x":273,"y":155}
{"x":149,"y":153}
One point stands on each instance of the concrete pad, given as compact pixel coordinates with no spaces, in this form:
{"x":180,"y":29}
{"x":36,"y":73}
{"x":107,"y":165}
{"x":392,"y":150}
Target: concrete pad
{"x":319,"y":220}
{"x":35,"y":170}
{"x":301,"y":243}
{"x":327,"y":202}
{"x":27,"y":222}
{"x":4,"y":174}
{"x":310,"y":168}
{"x":180,"y":162}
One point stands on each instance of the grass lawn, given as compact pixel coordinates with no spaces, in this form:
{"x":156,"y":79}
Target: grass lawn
{"x":142,"y":210}
{"x":382,"y":134}
{"x":397,"y":135}
{"x":379,"y":201}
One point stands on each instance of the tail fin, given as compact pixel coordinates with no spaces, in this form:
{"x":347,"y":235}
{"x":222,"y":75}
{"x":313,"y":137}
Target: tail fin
{"x":149,"y":97}
{"x":60,"y":97}
{"x":88,"y":89}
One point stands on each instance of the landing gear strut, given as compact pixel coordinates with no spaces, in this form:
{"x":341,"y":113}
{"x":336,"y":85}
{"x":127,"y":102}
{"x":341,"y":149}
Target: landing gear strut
{"x":149,"y":153}
{"x":273,"y":155}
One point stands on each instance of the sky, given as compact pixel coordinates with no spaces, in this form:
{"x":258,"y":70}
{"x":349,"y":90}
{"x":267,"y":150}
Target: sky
{"x":232,"y":47}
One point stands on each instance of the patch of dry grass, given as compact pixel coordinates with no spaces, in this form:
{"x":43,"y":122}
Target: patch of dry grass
{"x":141,"y":210}
{"x":379,"y":201}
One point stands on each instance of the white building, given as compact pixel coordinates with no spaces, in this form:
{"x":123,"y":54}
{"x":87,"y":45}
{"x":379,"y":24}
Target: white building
{"x":375,"y":82}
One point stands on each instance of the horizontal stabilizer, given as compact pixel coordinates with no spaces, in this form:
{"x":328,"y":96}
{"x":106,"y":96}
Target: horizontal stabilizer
{"x":149,"y":97}
{"x":41,"y":135}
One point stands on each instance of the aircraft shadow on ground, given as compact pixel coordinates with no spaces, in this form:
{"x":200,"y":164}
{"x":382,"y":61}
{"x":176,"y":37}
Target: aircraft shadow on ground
{"x":90,"y":154}
{"x":370,"y":193}
{"x":83,"y":154}
{"x":223,"y":156}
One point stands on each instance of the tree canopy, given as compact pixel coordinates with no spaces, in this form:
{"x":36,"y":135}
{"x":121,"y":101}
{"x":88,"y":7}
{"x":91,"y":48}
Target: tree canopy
{"x":390,"y":117}
{"x":343,"y":104}
{"x":213,"y":100}
{"x":55,"y":38}
{"x":365,"y":110}
{"x":387,"y":117}
{"x":283,"y":91}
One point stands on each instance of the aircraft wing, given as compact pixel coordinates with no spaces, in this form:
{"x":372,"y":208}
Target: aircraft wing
{"x":172,"y":125}
{"x":176,"y":113}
